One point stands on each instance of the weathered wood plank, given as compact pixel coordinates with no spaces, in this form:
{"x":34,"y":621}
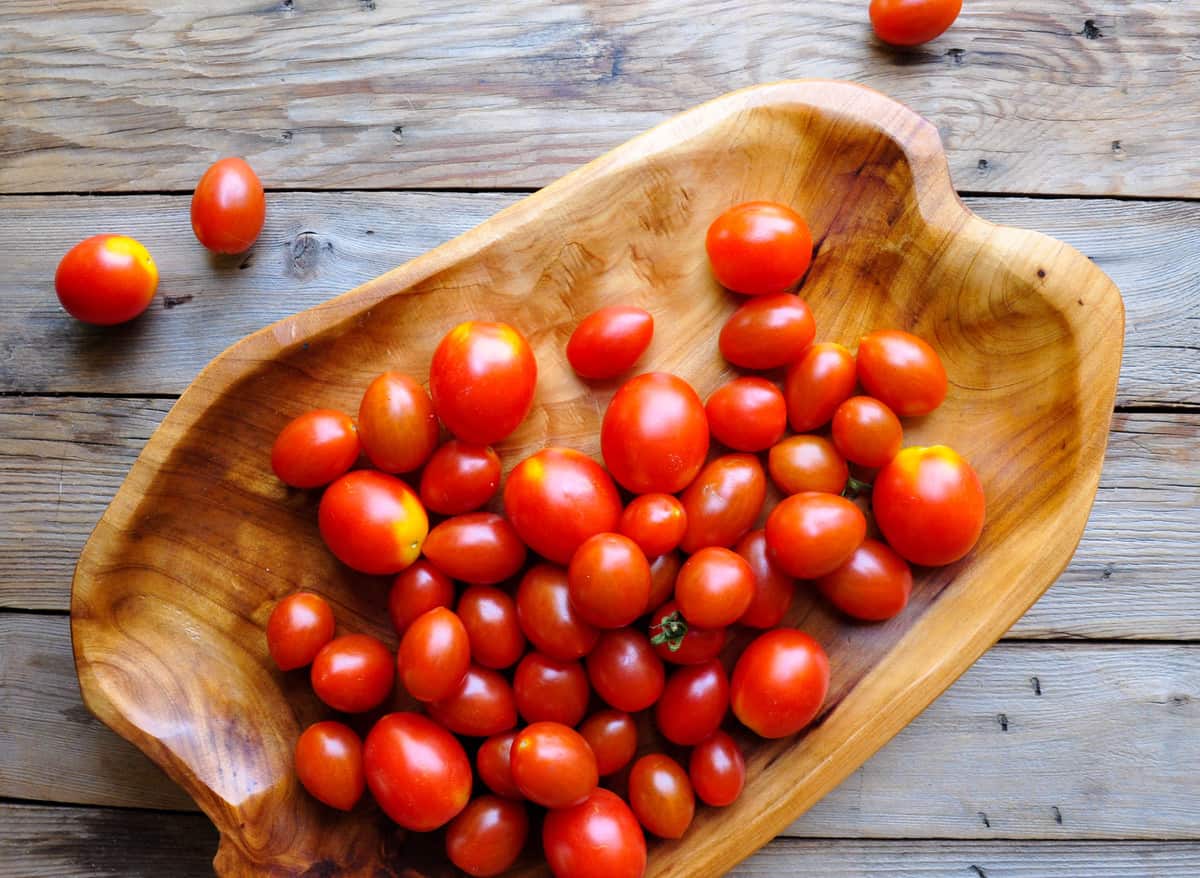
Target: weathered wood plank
{"x":1109,"y":733}
{"x":1047,"y":97}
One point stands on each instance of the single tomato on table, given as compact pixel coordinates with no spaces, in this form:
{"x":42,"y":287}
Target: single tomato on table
{"x":768,"y":332}
{"x":747,"y":414}
{"x":106,"y":279}
{"x":609,"y":341}
{"x":912,"y":22}
{"x":298,"y":627}
{"x":654,"y":436}
{"x":396,"y":423}
{"x":329,"y":763}
{"x":228,"y":207}
{"x":372,"y":522}
{"x":460,"y":477}
{"x":759,"y":247}
{"x":315,"y":448}
{"x":417,"y":771}
{"x":680,"y":643}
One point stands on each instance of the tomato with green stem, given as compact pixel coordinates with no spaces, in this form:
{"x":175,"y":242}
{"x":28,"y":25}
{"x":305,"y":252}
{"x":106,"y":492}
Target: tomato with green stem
{"x":759,"y":247}
{"x":315,"y":448}
{"x":329,"y":763}
{"x":680,"y":643}
{"x":299,"y":626}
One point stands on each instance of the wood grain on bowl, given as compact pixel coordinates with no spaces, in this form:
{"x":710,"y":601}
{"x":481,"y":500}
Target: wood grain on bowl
{"x":172,"y":590}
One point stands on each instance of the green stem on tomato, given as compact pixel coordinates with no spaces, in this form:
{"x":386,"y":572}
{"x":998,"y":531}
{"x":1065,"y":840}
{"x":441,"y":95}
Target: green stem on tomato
{"x":855,"y":488}
{"x":671,"y":631}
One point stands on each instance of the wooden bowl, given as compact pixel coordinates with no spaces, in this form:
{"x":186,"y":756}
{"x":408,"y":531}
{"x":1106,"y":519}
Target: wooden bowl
{"x":174,"y":587}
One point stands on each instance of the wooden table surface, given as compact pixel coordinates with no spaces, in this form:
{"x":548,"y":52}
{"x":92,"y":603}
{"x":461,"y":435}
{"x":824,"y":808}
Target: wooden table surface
{"x":383,"y":128}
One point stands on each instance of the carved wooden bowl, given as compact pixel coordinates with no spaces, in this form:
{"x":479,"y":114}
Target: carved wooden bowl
{"x":174,"y":587}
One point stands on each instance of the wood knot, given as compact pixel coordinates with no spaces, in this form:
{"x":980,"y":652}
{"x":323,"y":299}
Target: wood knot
{"x":304,"y":253}
{"x":955,"y":55}
{"x":285,"y":136}
{"x":287,"y":6}
{"x":170,"y":302}
{"x":398,"y":133}
{"x":366,"y":5}
{"x":1090,"y":31}
{"x":983,"y":165}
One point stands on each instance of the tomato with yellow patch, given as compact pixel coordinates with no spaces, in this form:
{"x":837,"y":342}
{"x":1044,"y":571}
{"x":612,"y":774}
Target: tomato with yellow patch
{"x":106,"y":279}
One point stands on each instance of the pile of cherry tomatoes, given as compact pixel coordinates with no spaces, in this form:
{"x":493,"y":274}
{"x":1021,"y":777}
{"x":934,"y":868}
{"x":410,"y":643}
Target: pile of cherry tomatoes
{"x":612,"y":589}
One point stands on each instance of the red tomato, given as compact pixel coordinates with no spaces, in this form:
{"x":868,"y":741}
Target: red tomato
{"x":482,"y":380}
{"x":609,"y":579}
{"x":811,"y":534}
{"x":625,"y":671}
{"x":483,"y":705}
{"x":353,"y":673}
{"x":817,"y":384}
{"x":723,"y":502}
{"x":929,"y":504}
{"x":609,"y":341}
{"x":717,"y":770}
{"x":901,"y":371}
{"x":459,"y":478}
{"x":654,"y":436}
{"x":678,"y":642}
{"x":661,"y":796}
{"x":873,"y":585}
{"x":663,"y":571}
{"x":372,"y":522}
{"x":314,"y":449}
{"x":693,"y":704}
{"x":779,"y":683}
{"x":759,"y":247}
{"x":299,"y":626}
{"x":551,"y":691}
{"x":547,"y":617}
{"x":773,"y":589}
{"x":481,"y":548}
{"x":488,"y":836}
{"x":714,"y":588}
{"x":490,"y":617}
{"x":553,"y":765}
{"x":612,"y":735}
{"x":747,"y":414}
{"x":558,"y":498}
{"x":434,"y":655}
{"x":228,"y":207}
{"x":912,"y":22}
{"x":396,"y":423}
{"x":598,"y":838}
{"x":494,"y":765}
{"x":655,"y":522}
{"x":417,"y":771}
{"x":329,"y":763}
{"x":866,"y":431}
{"x":416,"y":590}
{"x":807,"y":463}
{"x":106,"y":279}
{"x":767,"y":332}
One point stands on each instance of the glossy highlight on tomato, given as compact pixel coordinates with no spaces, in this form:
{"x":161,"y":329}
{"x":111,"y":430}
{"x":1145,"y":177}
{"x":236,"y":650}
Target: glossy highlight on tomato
{"x":417,"y":771}
{"x":481,"y":548}
{"x":656,"y":522}
{"x":807,"y":463}
{"x":460,"y":477}
{"x":372,"y":522}
{"x":434,"y":655}
{"x":693,"y":704}
{"x":598,"y":838}
{"x":723,"y":502}
{"x":714,"y":588}
{"x":353,"y":673}
{"x":654,"y":436}
{"x":867,"y":432}
{"x":298,"y":627}
{"x":609,"y":579}
{"x":759,"y":247}
{"x":912,"y":22}
{"x":608,"y":342}
{"x":483,"y":705}
{"x":773,"y":589}
{"x":329,"y":763}
{"x":553,"y":765}
{"x":106,"y":279}
{"x":613,"y":737}
{"x":488,"y":836}
{"x":767,"y":332}
{"x":779,"y":683}
{"x":315,"y":448}
{"x":680,"y":643}
{"x":493,"y":762}
{"x":873,"y":585}
{"x":396,"y":423}
{"x":547,"y":617}
{"x":661,"y":796}
{"x":228,"y":207}
{"x":812,"y":534}
{"x":717,"y":770}
{"x":816,"y":384}
{"x":747,"y":414}
{"x":490,"y":617}
{"x":902,"y":371}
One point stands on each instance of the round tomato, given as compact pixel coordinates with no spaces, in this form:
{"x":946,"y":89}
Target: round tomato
{"x":773,"y":589}
{"x":329,"y":763}
{"x":482,"y":381}
{"x":663,"y":571}
{"x":609,"y":341}
{"x":481,"y":548}
{"x":483,"y":705}
{"x":396,"y":423}
{"x":759,"y":247}
{"x":416,"y":590}
{"x":298,"y":627}
{"x":106,"y":279}
{"x":817,"y":384}
{"x":767,"y":332}
{"x":625,"y":671}
{"x":811,"y":534}
{"x":434,"y":655}
{"x":547,"y":617}
{"x":228,"y":207}
{"x":459,"y":478}
{"x":314,"y":449}
{"x":723,"y":502}
{"x":372,"y":522}
{"x":553,"y":765}
{"x":929,"y":504}
{"x":417,"y":771}
{"x":873,"y":585}
{"x":779,"y":683}
{"x":661,"y":796}
{"x":488,"y":836}
{"x":612,"y":735}
{"x":747,"y":414}
{"x":717,"y":770}
{"x":353,"y":673}
{"x":655,"y":522}
{"x":912,"y":22}
{"x":901,"y":371}
{"x":680,"y":643}
{"x":609,"y":579}
{"x":866,"y":431}
{"x":693,"y":704}
{"x":558,"y":498}
{"x":493,"y":761}
{"x":654,"y":436}
{"x":598,"y":838}
{"x":551,"y":691}
{"x":714,"y":588}
{"x":807,"y":463}
{"x":490,"y":617}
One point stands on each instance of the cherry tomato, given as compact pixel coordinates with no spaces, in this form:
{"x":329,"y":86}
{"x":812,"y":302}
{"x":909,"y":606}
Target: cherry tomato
{"x":759,"y":247}
{"x":678,"y":642}
{"x":483,"y":705}
{"x":609,"y":341}
{"x":396,"y":423}
{"x":482,"y":381}
{"x":873,"y":585}
{"x":329,"y":763}
{"x":490,"y":617}
{"x":723,"y":502}
{"x":417,"y":771}
{"x":314,"y":449}
{"x":816,"y":384}
{"x":807,"y":463}
{"x":693,"y":704}
{"x":609,"y":579}
{"x":494,"y":765}
{"x":228,"y":207}
{"x":488,"y":836}
{"x":663,"y":571}
{"x":779,"y":683}
{"x":416,"y":590}
{"x":929,"y":504}
{"x":912,"y":22}
{"x":298,"y":627}
{"x":353,"y":673}
{"x":655,"y":522}
{"x":434,"y":655}
{"x":481,"y":548}
{"x":866,"y":431}
{"x":106,"y":279}
{"x":773,"y":589}
{"x":717,"y":770}
{"x":747,"y":414}
{"x":558,"y":498}
{"x":553,"y":765}
{"x":767,"y":332}
{"x":612,"y":735}
{"x":547,"y":617}
{"x":551,"y":691}
{"x":372,"y":522}
{"x":661,"y":796}
{"x":459,"y":478}
{"x":598,"y":838}
{"x":901,"y":371}
{"x":714,"y":588}
{"x":654,"y":436}
{"x":625,"y":671}
{"x":811,"y":534}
